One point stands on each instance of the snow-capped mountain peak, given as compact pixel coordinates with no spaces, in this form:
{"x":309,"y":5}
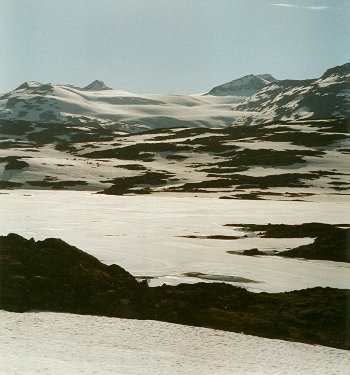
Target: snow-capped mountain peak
{"x":96,"y":86}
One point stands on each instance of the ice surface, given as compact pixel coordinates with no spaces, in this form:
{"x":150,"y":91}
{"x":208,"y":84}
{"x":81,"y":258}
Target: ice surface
{"x":144,"y":234}
{"x":52,"y":343}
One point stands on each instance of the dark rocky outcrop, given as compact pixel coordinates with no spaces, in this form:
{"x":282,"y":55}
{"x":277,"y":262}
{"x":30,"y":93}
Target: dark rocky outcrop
{"x":14,"y":162}
{"x":9,"y":184}
{"x":287,"y":230}
{"x":51,"y":182}
{"x":52,"y":275}
{"x":316,"y":315}
{"x":332,"y":242}
{"x":253,"y":252}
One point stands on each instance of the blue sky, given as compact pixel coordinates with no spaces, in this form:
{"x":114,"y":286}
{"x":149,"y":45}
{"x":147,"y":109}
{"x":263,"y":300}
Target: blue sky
{"x":175,"y":46}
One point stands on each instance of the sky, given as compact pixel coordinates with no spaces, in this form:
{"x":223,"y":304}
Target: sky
{"x":169,"y":46}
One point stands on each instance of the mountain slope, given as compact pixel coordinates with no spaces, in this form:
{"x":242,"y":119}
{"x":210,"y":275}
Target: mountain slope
{"x":245,"y":86}
{"x":325,"y":97}
{"x":99,"y":104}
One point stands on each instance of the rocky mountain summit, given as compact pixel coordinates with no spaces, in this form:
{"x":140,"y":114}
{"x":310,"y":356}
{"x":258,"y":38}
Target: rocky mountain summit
{"x":245,"y":86}
{"x":28,"y":85}
{"x":96,"y":86}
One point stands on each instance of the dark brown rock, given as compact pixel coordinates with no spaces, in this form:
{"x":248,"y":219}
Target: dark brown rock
{"x":52,"y":275}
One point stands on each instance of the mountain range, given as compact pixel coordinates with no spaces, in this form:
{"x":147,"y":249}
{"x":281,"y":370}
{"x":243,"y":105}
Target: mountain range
{"x":251,"y":99}
{"x":97,"y":104}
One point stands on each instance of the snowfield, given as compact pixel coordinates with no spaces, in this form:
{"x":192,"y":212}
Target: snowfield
{"x":53,"y":343}
{"x":145,"y":235}
{"x":33,"y":101}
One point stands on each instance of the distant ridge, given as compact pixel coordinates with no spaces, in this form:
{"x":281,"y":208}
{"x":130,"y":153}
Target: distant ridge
{"x":245,"y":86}
{"x":252,"y":99}
{"x":101,"y":105}
{"x":339,"y":70}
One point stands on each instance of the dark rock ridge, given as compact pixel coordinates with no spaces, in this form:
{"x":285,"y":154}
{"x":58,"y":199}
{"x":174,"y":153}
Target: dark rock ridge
{"x":332,"y":242}
{"x":97,"y":85}
{"x":54,"y":276}
{"x":341,"y":70}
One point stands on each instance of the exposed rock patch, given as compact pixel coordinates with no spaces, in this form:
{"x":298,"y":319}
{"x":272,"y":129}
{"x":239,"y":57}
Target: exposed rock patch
{"x":13,"y":162}
{"x":226,"y":278}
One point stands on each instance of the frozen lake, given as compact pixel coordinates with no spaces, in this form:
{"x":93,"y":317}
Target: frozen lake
{"x":143,"y":234}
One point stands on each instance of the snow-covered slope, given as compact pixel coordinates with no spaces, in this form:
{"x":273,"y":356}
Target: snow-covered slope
{"x":97,"y":103}
{"x":248,"y":100}
{"x":52,"y":343}
{"x":325,"y":97}
{"x":245,"y":86}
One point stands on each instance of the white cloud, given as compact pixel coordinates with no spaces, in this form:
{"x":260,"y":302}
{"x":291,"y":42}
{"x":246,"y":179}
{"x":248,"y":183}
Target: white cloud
{"x":288,"y":5}
{"x":321,"y":7}
{"x":285,"y":5}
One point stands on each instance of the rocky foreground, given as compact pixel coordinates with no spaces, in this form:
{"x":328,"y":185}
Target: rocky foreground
{"x":54,"y":276}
